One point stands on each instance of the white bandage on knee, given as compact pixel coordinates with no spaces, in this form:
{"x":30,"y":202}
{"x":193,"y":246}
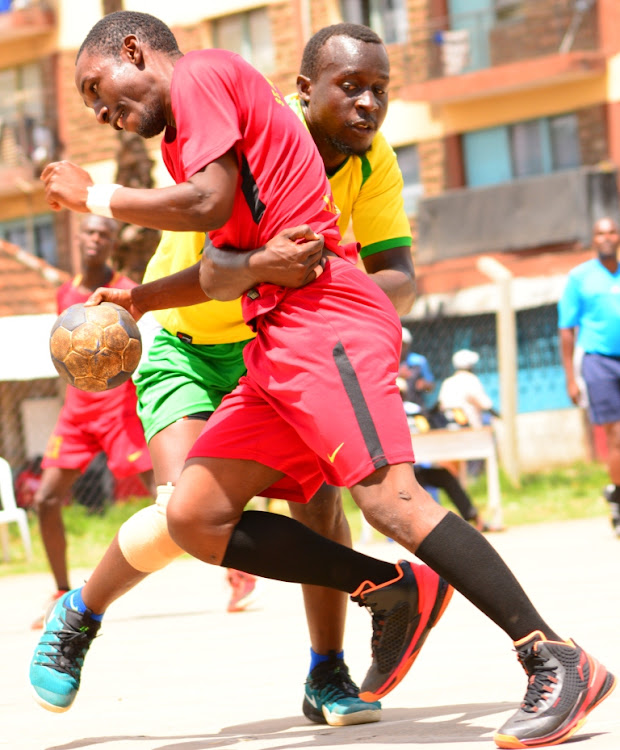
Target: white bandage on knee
{"x":144,"y":539}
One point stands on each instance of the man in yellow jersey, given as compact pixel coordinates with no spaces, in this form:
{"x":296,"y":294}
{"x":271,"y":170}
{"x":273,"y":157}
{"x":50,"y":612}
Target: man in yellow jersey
{"x":193,"y":355}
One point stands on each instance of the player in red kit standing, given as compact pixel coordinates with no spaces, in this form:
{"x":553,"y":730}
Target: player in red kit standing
{"x":88,"y":422}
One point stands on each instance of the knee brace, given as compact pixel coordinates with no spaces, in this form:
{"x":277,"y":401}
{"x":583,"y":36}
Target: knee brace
{"x":144,"y":539}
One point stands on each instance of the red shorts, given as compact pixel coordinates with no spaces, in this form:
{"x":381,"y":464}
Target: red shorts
{"x":74,"y":443}
{"x":320,"y":400}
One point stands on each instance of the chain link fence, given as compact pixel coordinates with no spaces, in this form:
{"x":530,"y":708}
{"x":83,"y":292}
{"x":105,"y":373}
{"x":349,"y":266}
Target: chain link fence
{"x":540,"y":377}
{"x":28,"y":410}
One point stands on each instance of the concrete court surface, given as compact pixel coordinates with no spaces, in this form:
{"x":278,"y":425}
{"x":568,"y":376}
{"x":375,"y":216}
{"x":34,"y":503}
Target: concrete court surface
{"x":173,"y":671}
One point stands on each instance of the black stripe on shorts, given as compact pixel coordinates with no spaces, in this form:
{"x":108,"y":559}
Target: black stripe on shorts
{"x":364,"y":419}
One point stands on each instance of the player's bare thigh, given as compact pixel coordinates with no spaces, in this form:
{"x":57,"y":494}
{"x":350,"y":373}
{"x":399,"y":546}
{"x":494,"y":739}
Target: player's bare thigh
{"x":395,"y":504}
{"x":208,"y":501}
{"x":169,"y":448}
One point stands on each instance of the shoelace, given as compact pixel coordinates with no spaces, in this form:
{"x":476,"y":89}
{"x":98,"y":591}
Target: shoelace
{"x":333,"y":682}
{"x":378,"y":621}
{"x":67,"y":651}
{"x":541,"y":680}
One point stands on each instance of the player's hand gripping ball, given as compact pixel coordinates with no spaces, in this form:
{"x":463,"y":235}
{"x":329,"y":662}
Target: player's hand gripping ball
{"x":95,"y":348}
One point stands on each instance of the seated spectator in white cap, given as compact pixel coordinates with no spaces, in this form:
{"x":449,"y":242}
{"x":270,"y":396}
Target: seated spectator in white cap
{"x":463,"y":390}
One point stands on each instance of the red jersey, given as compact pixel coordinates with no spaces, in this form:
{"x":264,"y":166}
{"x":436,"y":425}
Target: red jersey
{"x":91,"y":406}
{"x":220,"y":102}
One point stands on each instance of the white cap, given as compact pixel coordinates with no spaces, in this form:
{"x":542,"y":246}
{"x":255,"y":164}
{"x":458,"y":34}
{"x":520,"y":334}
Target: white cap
{"x":465,"y":359}
{"x":407,"y":337}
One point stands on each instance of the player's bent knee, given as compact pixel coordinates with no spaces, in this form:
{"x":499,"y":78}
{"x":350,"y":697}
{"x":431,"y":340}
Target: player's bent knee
{"x":144,"y":539}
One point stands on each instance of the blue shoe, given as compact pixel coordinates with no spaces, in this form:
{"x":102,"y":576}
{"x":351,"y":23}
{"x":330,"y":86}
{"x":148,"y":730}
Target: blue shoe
{"x":58,"y":659}
{"x":331,"y":697}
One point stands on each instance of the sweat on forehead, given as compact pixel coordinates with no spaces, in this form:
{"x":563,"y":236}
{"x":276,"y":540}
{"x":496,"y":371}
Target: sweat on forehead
{"x":312,"y":51}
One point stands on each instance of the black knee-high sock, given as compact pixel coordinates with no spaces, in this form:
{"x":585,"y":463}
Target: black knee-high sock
{"x":462,"y":556}
{"x":275,"y":546}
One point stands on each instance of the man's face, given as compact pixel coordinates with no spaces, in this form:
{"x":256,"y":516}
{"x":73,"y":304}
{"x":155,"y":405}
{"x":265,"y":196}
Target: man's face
{"x":122,"y":94}
{"x":97,"y":239}
{"x":606,"y":239}
{"x":347,"y":101}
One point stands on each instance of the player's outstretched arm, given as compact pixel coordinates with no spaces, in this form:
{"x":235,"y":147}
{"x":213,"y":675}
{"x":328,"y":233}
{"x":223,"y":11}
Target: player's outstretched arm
{"x":203,"y":203}
{"x":177,"y":290}
{"x":292,"y":258}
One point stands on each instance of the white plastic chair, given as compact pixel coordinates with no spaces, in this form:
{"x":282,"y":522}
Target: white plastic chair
{"x":9,"y":513}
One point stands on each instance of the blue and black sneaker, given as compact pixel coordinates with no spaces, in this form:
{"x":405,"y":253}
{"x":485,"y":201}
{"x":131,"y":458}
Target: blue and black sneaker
{"x":331,"y":697}
{"x":58,"y":659}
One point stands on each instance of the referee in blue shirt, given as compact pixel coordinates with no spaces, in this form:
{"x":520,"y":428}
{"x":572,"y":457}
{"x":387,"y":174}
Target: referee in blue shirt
{"x":589,"y":318}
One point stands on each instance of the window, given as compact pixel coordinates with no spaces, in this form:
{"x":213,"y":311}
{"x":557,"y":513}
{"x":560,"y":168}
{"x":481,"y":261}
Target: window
{"x":35,"y":234}
{"x":387,"y":17}
{"x":23,"y":136}
{"x":413,"y":190}
{"x":249,"y":34}
{"x":522,"y":149}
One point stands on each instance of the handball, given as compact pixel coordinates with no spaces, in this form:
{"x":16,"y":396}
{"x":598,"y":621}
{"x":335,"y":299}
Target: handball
{"x":95,"y":348}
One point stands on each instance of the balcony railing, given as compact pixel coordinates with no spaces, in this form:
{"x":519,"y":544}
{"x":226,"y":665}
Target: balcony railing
{"x":21,"y":19}
{"x":509,"y":32}
{"x":26,"y":146}
{"x":527,"y":213}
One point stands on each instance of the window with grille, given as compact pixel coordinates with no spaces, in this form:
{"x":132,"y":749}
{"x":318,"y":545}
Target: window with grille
{"x":34,"y":234}
{"x":387,"y":17}
{"x":413,"y":190}
{"x":248,"y":34}
{"x":24,"y":137}
{"x":521,"y":149}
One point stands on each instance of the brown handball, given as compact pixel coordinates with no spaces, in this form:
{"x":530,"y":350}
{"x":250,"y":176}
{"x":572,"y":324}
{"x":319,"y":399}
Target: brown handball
{"x":95,"y":348}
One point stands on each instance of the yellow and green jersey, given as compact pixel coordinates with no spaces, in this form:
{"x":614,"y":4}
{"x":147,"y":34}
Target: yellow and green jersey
{"x":368,"y":190}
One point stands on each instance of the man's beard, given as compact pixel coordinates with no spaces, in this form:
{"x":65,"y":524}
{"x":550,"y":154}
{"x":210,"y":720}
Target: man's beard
{"x":151,"y":123}
{"x":344,"y":148}
{"x":608,"y":250}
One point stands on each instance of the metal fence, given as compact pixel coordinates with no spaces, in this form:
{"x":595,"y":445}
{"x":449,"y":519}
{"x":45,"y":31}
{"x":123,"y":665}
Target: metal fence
{"x":28,"y":412}
{"x":540,"y":377}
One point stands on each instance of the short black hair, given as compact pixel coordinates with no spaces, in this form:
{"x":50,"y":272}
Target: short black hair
{"x":107,"y":35}
{"x":310,"y":57}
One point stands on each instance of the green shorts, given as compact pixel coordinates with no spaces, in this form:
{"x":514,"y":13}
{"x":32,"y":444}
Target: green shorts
{"x":175,"y":379}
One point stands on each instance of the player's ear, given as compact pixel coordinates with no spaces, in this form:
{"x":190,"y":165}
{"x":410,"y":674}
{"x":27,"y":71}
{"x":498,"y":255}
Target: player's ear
{"x":303,"y":88}
{"x":132,"y":49}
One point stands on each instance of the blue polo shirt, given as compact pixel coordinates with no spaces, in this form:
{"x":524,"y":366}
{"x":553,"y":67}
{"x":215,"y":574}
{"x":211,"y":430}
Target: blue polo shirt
{"x":591,"y":302}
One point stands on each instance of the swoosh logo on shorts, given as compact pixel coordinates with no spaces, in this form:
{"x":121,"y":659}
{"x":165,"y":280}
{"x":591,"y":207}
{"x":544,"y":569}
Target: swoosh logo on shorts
{"x":332,"y":458}
{"x":134,"y":456}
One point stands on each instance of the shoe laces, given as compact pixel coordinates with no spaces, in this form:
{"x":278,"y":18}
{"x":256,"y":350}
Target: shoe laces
{"x":388,"y":627}
{"x":333,"y":680}
{"x":542,"y":678}
{"x":68,"y":648}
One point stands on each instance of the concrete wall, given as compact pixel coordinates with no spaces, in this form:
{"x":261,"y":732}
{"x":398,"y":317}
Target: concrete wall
{"x":551,"y":438}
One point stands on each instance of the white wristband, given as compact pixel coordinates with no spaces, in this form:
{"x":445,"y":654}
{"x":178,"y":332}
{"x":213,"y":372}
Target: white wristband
{"x":99,"y":197}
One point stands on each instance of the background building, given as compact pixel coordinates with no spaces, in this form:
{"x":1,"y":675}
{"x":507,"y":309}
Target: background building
{"x":504,"y":114}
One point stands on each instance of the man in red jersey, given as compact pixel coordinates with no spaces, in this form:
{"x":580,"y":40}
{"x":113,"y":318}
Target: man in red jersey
{"x":319,"y":401}
{"x":88,"y":422}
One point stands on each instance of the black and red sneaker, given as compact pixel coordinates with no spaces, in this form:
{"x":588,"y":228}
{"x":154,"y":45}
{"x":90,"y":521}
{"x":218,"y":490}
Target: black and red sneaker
{"x":403,"y":612}
{"x":564,"y":685}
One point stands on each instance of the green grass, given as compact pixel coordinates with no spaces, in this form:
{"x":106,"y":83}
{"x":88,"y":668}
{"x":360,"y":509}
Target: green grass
{"x":557,"y":495}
